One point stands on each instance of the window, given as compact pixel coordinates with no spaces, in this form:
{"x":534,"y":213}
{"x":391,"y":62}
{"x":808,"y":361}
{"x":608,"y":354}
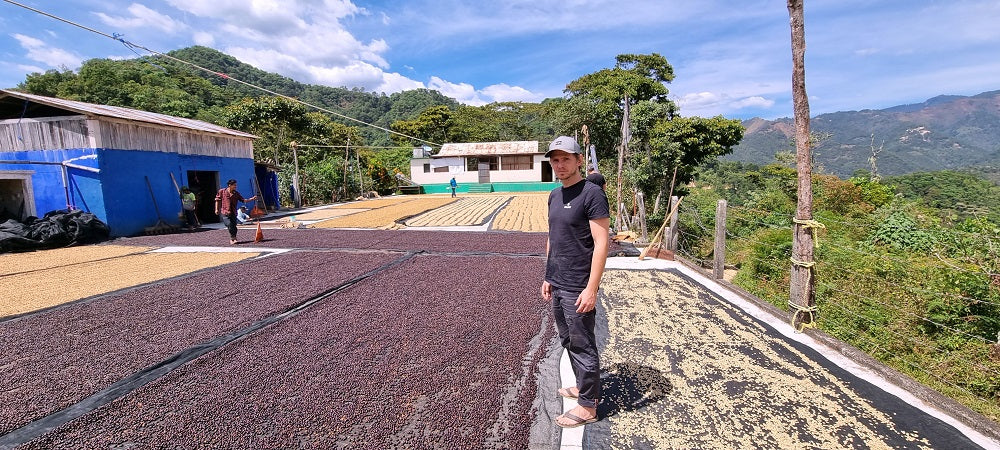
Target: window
{"x":441,"y":169}
{"x":472,"y":163}
{"x":427,"y":167}
{"x":517,"y":162}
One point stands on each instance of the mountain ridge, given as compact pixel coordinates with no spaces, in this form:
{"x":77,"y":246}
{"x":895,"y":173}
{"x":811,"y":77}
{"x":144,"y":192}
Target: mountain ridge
{"x":943,"y":132}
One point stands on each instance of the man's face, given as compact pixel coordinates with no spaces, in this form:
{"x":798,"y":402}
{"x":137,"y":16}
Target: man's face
{"x":231,"y":187}
{"x":565,"y":164}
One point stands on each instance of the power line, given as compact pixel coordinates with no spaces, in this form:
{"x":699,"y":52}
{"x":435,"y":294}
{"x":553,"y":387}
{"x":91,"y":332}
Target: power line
{"x":389,"y":147}
{"x":132,"y":45}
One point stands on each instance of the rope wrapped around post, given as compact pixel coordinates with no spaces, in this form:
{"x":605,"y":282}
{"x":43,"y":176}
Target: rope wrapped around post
{"x":801,"y":310}
{"x":811,"y":225}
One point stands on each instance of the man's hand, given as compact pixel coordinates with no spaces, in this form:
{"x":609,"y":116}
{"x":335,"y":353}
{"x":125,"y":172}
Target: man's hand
{"x":546,"y":291}
{"x":586,"y":301}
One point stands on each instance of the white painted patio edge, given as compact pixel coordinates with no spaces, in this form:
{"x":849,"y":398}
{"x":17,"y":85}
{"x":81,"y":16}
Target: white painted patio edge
{"x":230,"y":249}
{"x":572,"y":438}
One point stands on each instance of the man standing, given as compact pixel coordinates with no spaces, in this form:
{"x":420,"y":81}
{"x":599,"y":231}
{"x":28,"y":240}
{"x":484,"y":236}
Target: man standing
{"x":225,"y":204}
{"x":454,"y":186}
{"x":577,"y":250}
{"x":190,"y":204}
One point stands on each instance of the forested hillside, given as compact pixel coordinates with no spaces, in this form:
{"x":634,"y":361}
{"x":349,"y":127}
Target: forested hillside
{"x":338,"y":155}
{"x":945,"y":132}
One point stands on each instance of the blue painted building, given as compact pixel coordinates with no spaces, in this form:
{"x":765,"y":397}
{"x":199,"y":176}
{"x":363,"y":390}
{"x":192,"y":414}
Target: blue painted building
{"x":58,"y":154}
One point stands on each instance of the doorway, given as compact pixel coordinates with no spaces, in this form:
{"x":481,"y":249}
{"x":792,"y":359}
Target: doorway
{"x":546,"y":172}
{"x":17,"y":199}
{"x":484,"y":172}
{"x":204,"y":185}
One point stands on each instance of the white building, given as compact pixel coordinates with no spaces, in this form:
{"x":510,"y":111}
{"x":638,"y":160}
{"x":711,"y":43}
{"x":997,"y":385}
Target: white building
{"x":482,"y":162}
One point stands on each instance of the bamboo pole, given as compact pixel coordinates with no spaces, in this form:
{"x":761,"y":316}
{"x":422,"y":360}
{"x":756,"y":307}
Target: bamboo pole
{"x":658,"y":237}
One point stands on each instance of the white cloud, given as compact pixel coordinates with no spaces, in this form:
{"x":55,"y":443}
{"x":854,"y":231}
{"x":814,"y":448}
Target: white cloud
{"x":504,"y":93}
{"x":142,"y":17}
{"x":29,"y":69}
{"x":699,"y":100}
{"x":752,"y":102}
{"x":203,"y":38}
{"x":394,"y":82}
{"x":39,"y":51}
{"x":301,"y":39}
{"x":462,"y":92}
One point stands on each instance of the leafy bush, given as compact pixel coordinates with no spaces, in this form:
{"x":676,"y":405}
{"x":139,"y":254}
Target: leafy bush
{"x":901,"y":233}
{"x":964,"y":305}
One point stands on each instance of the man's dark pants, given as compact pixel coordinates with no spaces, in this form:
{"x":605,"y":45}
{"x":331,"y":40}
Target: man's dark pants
{"x":230,"y":220}
{"x":576,"y":331}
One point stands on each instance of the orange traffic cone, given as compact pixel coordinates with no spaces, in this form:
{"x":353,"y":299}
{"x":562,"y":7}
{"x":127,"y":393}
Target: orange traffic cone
{"x":260,"y":234}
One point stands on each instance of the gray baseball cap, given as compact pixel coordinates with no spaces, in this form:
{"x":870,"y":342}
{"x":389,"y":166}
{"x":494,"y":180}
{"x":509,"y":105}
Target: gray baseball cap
{"x":564,"y":143}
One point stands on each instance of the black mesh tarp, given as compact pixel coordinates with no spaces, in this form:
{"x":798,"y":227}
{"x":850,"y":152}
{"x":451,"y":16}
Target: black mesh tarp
{"x":60,"y":228}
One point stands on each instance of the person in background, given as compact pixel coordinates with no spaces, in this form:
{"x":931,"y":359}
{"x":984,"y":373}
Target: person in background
{"x":454,"y":186}
{"x":241,"y":216}
{"x":189,"y":203}
{"x":577,"y":250}
{"x":225,"y":205}
{"x":598,"y":179}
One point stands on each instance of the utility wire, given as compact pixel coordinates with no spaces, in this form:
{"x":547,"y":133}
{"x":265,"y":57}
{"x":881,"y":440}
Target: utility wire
{"x":351,"y":146}
{"x":219,"y":74}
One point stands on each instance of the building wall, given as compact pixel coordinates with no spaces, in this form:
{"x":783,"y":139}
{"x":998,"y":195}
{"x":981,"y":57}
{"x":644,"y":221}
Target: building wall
{"x":49,"y":189}
{"x":418,"y":175}
{"x":127,"y":135}
{"x":129,"y":204}
{"x":46,"y":133}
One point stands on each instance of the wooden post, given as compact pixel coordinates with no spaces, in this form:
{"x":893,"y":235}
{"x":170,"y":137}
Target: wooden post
{"x":639,"y":198}
{"x":801,"y":297}
{"x":719,"y":265}
{"x":621,"y":160}
{"x":674,"y":212}
{"x":347,"y":157}
{"x":295,"y":181}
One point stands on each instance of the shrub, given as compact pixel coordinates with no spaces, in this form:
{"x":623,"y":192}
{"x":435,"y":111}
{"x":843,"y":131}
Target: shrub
{"x":899,"y":232}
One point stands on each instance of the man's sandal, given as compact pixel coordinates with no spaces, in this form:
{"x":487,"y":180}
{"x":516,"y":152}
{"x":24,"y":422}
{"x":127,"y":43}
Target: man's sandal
{"x":577,"y":421}
{"x":566,"y":393}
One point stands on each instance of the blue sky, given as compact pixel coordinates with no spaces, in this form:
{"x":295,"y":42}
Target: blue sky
{"x":730,"y":57}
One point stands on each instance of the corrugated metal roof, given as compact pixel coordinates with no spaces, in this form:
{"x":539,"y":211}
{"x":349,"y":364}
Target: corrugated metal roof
{"x":119,"y":112}
{"x":489,"y":149}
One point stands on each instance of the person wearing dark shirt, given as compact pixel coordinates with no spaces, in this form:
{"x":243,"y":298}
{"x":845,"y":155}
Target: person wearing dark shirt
{"x":225,"y":205}
{"x":577,"y":249}
{"x":598,"y":179}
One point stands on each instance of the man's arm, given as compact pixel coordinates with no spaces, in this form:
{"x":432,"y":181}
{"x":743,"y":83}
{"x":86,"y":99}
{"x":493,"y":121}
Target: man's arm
{"x":546,"y":287}
{"x":588,"y":298}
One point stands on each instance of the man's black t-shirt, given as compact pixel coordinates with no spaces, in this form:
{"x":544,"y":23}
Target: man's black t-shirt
{"x":571,"y":246}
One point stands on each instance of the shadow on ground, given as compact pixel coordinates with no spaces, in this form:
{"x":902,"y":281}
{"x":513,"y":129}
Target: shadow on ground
{"x":629,"y":386}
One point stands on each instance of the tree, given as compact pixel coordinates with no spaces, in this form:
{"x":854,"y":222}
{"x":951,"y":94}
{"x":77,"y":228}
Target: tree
{"x":321,"y":154}
{"x":802,"y":292}
{"x":148,"y":85}
{"x":596,"y":99}
{"x":52,"y":83}
{"x":431,"y":124}
{"x":682,"y":143}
